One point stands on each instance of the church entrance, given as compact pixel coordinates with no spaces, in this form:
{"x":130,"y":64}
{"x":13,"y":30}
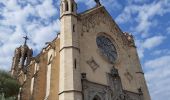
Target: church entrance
{"x":96,"y":98}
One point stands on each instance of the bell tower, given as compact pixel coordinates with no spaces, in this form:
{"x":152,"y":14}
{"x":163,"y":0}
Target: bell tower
{"x":21,"y":60}
{"x":68,"y":7}
{"x":70,"y":77}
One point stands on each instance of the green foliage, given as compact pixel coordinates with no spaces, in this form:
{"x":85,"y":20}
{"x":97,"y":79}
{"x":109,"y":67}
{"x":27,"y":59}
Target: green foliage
{"x":8,"y":85}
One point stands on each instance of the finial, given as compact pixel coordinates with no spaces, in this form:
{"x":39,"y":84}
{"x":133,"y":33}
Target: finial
{"x":97,"y":2}
{"x":26,"y":38}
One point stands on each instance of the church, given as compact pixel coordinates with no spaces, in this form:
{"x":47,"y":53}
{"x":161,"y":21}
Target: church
{"x":90,"y":59}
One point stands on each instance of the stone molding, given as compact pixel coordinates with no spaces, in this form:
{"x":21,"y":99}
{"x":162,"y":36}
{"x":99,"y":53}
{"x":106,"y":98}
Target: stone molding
{"x":93,"y":64}
{"x":113,"y":91}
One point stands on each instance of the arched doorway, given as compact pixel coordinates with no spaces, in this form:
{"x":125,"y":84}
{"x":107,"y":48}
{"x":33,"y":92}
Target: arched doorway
{"x":96,"y":98}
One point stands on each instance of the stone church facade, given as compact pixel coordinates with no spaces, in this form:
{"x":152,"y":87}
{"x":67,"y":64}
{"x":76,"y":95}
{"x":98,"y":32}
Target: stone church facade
{"x":90,"y":59}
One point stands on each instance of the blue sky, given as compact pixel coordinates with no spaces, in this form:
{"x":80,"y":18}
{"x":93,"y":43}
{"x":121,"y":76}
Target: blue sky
{"x":147,"y":20}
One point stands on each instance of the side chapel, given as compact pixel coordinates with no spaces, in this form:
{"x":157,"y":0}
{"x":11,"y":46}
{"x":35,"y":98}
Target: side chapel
{"x":90,"y":59}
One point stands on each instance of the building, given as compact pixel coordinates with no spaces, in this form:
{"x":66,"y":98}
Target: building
{"x":90,"y":59}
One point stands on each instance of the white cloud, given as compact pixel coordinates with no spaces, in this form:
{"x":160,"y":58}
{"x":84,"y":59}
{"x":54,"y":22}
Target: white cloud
{"x":39,"y":35}
{"x":157,"y":76}
{"x":137,"y":1}
{"x":16,"y":16}
{"x":161,"y":52}
{"x":168,"y":30}
{"x":16,"y":23}
{"x":88,"y":3}
{"x":109,"y":4}
{"x":142,"y":17}
{"x":32,"y":2}
{"x":162,"y":61}
{"x":140,"y":48}
{"x":148,"y":43}
{"x":6,"y":54}
{"x":46,"y":9}
{"x":143,"y":14}
{"x":5,"y":31}
{"x":140,"y":52}
{"x":147,"y":12}
{"x":153,"y":42}
{"x":126,"y":15}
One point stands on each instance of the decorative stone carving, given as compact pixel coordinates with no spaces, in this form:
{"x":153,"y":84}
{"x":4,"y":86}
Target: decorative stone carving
{"x":113,"y":91}
{"x":129,"y":76}
{"x":92,"y":63}
{"x":128,"y":39}
{"x":114,"y":72}
{"x":93,"y":20}
{"x":51,"y":44}
{"x":96,"y":18}
{"x":90,"y":90}
{"x":97,"y":97}
{"x":115,"y":82}
{"x":83,"y":75}
{"x":140,"y":91}
{"x":123,"y":96}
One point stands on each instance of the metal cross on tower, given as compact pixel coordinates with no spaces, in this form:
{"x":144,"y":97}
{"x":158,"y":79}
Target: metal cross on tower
{"x":26,"y":38}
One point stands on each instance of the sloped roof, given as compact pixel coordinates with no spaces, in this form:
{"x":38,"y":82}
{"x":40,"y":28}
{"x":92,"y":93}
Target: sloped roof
{"x":90,"y":10}
{"x":96,"y":9}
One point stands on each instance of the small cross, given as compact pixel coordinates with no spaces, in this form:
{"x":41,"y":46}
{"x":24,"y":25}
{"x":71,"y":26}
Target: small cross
{"x":26,"y":38}
{"x":97,"y":2}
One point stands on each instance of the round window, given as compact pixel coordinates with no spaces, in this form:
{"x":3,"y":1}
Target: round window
{"x":107,"y":48}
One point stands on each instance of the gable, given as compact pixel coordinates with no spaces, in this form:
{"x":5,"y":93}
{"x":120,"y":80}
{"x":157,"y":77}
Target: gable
{"x":96,"y":16}
{"x":93,"y":23}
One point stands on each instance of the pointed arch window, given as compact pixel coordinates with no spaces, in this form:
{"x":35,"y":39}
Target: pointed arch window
{"x":61,"y":7}
{"x":97,"y":98}
{"x":66,"y":5}
{"x":72,"y":8}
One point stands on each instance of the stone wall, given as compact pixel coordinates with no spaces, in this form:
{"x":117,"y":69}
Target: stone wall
{"x":34,"y":83}
{"x":94,"y":23}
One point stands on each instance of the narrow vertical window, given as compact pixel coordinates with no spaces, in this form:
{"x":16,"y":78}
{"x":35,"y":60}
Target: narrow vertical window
{"x":66,"y":7}
{"x":75,"y":63}
{"x":62,"y":7}
{"x":73,"y":28}
{"x":72,"y":9}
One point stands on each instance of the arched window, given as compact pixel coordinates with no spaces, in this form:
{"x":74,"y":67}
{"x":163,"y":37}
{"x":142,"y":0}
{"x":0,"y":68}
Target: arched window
{"x":96,"y":98}
{"x":66,"y":6}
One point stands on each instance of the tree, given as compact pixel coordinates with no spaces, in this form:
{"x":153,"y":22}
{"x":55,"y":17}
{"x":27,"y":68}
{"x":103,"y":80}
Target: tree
{"x":8,"y":85}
